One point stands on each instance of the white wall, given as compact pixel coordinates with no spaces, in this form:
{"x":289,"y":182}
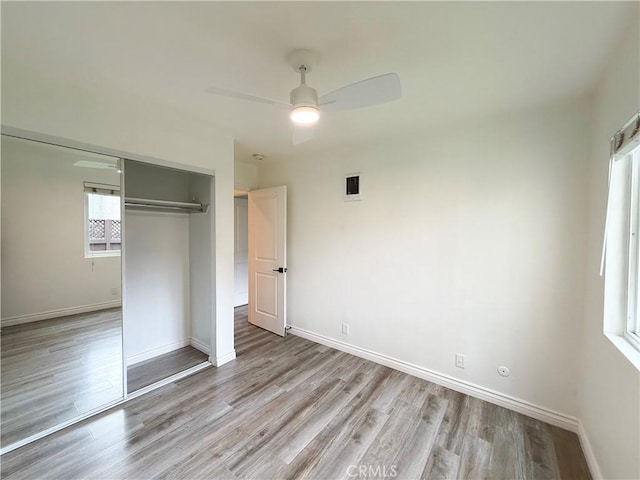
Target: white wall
{"x":609,"y":394}
{"x":465,"y":242}
{"x":148,"y":181}
{"x":158,"y":301}
{"x":200,"y":263}
{"x":245,"y":176}
{"x":45,"y":273}
{"x":118,"y":120}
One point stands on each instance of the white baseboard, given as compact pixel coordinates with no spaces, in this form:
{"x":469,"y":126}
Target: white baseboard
{"x":154,"y":352}
{"x":62,"y":312}
{"x":222,"y":359}
{"x":521,"y":406}
{"x":198,"y":345}
{"x":596,"y":474}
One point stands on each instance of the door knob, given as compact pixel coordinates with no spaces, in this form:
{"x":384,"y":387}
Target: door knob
{"x":281,"y":269}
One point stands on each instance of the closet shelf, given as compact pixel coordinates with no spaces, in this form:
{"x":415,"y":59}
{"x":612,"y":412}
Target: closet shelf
{"x":164,"y":205}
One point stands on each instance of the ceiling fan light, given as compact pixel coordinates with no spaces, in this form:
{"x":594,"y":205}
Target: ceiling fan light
{"x":304,"y":115}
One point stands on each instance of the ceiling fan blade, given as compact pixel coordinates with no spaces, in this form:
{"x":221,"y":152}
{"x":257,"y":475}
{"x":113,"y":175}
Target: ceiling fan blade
{"x":372,"y":91}
{"x":92,"y":164}
{"x":243,"y":96}
{"x":302,"y":134}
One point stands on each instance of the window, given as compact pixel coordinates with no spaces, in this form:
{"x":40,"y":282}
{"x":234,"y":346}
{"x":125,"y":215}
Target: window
{"x":102,"y":220}
{"x":632,"y":330}
{"x":621,"y":252}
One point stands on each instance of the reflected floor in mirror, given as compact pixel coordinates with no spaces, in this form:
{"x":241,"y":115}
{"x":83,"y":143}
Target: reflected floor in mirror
{"x":158,"y":368}
{"x":54,"y":370}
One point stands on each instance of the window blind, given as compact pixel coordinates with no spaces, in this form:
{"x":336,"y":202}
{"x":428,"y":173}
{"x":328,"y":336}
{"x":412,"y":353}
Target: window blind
{"x":101,"y":188}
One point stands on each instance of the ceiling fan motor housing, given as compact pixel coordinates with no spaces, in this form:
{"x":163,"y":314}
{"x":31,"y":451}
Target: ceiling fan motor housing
{"x":304,"y":96}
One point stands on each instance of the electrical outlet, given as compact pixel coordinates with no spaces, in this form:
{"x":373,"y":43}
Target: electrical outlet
{"x":345,"y":328}
{"x":459,"y":360}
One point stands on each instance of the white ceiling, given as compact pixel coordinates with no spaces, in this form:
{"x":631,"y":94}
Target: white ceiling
{"x":456,"y":60}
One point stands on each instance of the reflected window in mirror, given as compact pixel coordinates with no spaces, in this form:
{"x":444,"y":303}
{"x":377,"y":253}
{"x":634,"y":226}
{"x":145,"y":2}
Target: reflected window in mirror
{"x":102,"y":220}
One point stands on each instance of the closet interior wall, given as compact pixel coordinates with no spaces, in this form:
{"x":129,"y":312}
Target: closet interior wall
{"x":167,"y":263}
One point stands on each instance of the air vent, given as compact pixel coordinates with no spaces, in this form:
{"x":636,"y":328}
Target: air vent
{"x":352,"y":187}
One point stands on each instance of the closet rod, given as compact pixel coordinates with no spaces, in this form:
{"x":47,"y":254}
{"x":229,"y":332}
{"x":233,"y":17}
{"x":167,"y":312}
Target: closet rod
{"x":164,"y":205}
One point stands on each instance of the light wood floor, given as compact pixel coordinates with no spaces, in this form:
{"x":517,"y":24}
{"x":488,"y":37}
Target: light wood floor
{"x":158,"y":368}
{"x":289,"y":408}
{"x":54,"y":370}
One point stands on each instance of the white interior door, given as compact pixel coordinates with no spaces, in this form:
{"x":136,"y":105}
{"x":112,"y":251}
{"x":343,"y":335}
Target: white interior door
{"x":268,"y":258}
{"x":241,"y":258}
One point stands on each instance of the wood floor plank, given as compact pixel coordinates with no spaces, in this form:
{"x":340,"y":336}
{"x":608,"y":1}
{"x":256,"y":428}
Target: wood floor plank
{"x":35,"y":460}
{"x":506,"y":462}
{"x":568,"y":454}
{"x":316,"y":422}
{"x":386,"y":447}
{"x":277,"y":420}
{"x":455,"y":422}
{"x":352,"y":443}
{"x":475,"y":459}
{"x":395,"y":384}
{"x":540,"y":460}
{"x":163,"y":366}
{"x":441,"y":465}
{"x":51,"y":371}
{"x":289,"y":409}
{"x":197,"y":465}
{"x":328,"y":444}
{"x":413,"y":456}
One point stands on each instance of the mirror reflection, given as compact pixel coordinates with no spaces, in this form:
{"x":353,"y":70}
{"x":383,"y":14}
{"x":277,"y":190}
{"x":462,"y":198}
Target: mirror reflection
{"x":61,"y":342}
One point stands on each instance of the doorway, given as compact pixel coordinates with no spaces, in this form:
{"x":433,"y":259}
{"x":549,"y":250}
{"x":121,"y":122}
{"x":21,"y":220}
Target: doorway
{"x":241,"y":251}
{"x":260,"y":230}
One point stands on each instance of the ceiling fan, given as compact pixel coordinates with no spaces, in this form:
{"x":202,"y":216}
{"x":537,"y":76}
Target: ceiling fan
{"x":305,"y":105}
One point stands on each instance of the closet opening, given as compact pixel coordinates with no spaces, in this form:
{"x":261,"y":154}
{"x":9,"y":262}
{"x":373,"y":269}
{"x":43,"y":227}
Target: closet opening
{"x":168,"y":250}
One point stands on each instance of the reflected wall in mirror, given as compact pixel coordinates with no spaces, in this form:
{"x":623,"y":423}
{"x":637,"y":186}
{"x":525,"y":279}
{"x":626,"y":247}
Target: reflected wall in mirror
{"x":61,"y":342}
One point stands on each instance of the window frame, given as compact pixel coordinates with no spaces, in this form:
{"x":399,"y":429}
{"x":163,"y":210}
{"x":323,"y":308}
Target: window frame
{"x":632,"y":324}
{"x":88,"y":253}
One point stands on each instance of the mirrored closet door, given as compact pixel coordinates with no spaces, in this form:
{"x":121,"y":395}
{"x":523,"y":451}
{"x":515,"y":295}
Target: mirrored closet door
{"x":61,"y":342}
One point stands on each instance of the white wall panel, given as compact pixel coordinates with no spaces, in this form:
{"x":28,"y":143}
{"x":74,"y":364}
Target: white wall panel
{"x":609,"y":393}
{"x":157,"y":287}
{"x":468,"y":243}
